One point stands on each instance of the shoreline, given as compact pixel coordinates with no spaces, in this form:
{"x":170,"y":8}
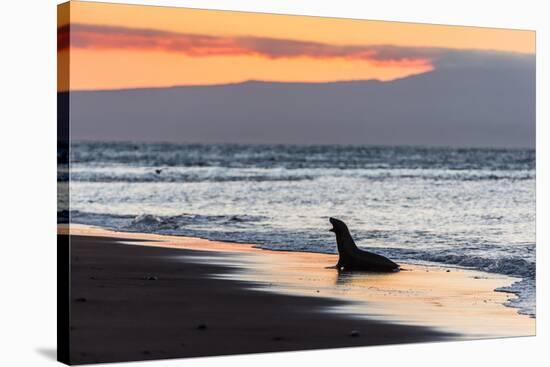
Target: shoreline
{"x":449,"y":299}
{"x":521,"y":290}
{"x":132,"y":301}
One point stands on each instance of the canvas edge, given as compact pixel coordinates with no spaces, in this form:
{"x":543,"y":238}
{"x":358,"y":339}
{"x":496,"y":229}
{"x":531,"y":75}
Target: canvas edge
{"x":63,"y":144}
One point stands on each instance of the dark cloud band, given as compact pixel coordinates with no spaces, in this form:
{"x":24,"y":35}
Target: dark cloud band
{"x":197,"y":45}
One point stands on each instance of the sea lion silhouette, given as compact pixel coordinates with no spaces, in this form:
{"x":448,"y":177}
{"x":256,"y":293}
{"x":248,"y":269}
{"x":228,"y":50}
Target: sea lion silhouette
{"x":353,"y":258}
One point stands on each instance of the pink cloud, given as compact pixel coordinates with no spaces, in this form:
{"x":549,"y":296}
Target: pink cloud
{"x":197,"y":45}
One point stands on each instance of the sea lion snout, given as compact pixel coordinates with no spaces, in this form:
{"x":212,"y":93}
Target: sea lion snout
{"x":332,"y":220}
{"x":337,"y":225}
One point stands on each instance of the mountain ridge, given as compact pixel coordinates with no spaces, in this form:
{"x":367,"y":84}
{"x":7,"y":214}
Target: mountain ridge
{"x":475,"y":106}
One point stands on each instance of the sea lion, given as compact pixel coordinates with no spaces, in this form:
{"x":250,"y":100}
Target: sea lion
{"x":352,"y":258}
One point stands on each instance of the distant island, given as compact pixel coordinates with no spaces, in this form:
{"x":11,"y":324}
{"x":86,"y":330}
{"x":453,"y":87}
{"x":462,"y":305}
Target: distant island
{"x":479,"y":105}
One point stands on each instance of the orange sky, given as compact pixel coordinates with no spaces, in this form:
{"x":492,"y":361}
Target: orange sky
{"x":117,"y":46}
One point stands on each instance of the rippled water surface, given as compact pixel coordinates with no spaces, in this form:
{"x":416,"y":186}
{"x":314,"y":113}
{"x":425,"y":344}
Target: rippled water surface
{"x":464,"y":207}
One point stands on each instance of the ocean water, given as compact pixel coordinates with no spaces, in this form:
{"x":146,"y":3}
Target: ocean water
{"x":472,"y":208}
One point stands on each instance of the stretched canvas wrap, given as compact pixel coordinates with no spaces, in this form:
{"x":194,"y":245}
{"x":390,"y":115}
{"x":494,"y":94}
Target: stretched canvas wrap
{"x":235,"y":182}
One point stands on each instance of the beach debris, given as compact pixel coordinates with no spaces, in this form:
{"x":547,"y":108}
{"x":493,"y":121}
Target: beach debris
{"x":202,"y":327}
{"x":448,"y":270}
{"x":80,"y":299}
{"x":158,"y":171}
{"x":354,"y":334}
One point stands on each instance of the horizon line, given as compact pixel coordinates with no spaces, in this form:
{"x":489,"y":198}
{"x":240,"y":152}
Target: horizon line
{"x":355,"y":145}
{"x":248,"y":81}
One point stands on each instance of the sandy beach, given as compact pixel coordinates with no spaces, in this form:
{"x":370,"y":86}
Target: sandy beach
{"x":143,"y":296}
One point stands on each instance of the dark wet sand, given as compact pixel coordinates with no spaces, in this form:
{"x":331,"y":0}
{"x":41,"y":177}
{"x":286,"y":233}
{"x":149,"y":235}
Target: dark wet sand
{"x":137,"y":302}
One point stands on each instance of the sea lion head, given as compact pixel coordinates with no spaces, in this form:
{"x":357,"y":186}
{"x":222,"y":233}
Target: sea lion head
{"x":337,"y":226}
